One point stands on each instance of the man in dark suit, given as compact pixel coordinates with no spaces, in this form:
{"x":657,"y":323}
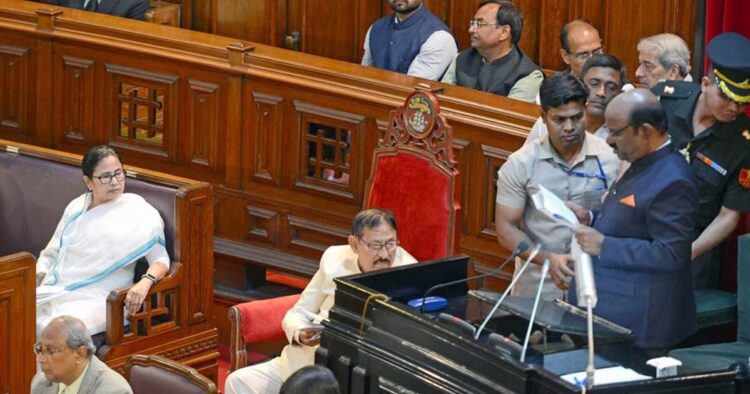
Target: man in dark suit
{"x":640,"y":241}
{"x":133,"y":9}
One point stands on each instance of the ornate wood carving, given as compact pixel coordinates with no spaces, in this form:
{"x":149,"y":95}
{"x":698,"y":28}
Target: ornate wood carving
{"x":14,"y":89}
{"x":419,"y":123}
{"x":143,"y":110}
{"x":265,"y":159}
{"x":78,"y":100}
{"x":203,"y":127}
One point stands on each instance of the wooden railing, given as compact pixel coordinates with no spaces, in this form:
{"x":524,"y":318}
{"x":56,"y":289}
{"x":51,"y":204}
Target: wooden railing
{"x":255,"y":121}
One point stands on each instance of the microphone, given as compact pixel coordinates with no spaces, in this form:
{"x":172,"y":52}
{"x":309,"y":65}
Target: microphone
{"x":533,"y":254}
{"x":520,"y":248}
{"x":585,"y":284}
{"x":586,"y":294}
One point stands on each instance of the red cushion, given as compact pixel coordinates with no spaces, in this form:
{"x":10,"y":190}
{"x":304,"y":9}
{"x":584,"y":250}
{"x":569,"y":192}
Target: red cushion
{"x":287,"y":280}
{"x":261,"y":319}
{"x":418,"y":195}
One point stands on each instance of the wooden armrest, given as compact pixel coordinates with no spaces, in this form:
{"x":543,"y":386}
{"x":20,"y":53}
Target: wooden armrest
{"x":169,"y":285}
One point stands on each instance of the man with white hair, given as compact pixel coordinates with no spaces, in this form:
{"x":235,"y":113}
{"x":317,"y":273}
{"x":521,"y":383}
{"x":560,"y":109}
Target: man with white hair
{"x":67,"y":364}
{"x":663,"y":57}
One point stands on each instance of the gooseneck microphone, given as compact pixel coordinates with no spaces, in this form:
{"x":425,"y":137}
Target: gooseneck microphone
{"x":520,"y":248}
{"x":533,"y":254}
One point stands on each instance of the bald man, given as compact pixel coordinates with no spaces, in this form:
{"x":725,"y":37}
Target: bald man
{"x":579,"y":41}
{"x":640,"y":240}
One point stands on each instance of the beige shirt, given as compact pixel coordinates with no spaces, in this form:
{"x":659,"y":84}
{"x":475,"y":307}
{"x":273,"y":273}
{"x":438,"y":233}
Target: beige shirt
{"x":584,"y":182}
{"x":75,"y":386}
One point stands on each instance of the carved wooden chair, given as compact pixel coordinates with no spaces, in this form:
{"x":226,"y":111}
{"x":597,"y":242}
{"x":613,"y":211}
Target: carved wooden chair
{"x":156,"y":374}
{"x":176,"y":318}
{"x":414,"y":175}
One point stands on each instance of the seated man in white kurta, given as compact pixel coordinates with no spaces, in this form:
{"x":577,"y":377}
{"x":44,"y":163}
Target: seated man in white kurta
{"x":372,"y":246}
{"x":95,"y":246}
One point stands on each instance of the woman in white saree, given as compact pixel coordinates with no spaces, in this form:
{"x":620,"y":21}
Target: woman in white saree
{"x":95,"y":246}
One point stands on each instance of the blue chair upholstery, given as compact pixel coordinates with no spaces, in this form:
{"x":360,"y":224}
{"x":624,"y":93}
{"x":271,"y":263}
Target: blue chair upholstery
{"x":721,"y":356}
{"x":714,"y":307}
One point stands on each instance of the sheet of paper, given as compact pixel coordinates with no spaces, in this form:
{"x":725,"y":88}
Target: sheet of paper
{"x":46,"y":293}
{"x":606,"y":376}
{"x":548,"y":203}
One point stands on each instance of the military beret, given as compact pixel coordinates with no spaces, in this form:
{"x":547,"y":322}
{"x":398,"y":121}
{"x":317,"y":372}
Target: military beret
{"x":730,"y":58}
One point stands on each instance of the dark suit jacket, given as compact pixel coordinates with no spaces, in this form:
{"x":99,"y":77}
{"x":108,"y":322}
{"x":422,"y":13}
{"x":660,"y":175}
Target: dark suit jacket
{"x":643,"y":276}
{"x":133,"y":9}
{"x":99,"y":379}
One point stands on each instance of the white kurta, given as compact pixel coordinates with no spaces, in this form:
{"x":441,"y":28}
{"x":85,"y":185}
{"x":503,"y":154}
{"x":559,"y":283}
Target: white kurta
{"x":316,"y":300}
{"x":93,"y":252}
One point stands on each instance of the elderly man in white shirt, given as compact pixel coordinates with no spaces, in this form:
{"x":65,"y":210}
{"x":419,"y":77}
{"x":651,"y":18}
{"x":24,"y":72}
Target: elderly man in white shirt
{"x":372,"y":246}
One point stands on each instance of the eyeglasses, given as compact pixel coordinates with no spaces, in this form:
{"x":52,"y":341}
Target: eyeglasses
{"x":106,"y":178}
{"x":376,"y":247}
{"x":583,"y":56}
{"x":616,"y":133}
{"x":476,"y":23}
{"x":46,"y":351}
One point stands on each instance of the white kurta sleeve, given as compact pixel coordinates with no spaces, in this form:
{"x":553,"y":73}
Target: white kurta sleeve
{"x":310,"y":301}
{"x":158,"y":254}
{"x":50,"y":253}
{"x":434,"y":57}
{"x":367,"y":58}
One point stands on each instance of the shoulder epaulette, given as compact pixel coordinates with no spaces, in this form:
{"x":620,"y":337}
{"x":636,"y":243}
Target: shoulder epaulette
{"x":675,"y":89}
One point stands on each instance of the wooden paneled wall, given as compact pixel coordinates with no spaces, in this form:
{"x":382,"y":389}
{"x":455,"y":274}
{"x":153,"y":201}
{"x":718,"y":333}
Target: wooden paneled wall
{"x":260,"y":124}
{"x":336,"y":28}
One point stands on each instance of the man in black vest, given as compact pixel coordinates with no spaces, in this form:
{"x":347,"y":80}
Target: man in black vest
{"x":133,"y":9}
{"x":495,"y":63}
{"x":413,"y":41}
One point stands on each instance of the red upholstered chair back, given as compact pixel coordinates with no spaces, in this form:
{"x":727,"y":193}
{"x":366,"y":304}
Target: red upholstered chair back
{"x":414,"y":175}
{"x":254,"y":322}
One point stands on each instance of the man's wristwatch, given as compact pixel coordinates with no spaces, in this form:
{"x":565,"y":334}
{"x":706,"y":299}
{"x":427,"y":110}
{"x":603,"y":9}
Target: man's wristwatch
{"x":150,"y":277}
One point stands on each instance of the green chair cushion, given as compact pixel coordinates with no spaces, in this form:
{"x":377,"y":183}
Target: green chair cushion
{"x":714,"y":307}
{"x":711,"y":357}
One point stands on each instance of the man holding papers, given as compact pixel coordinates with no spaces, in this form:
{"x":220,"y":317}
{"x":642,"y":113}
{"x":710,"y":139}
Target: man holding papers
{"x":640,"y":240}
{"x":572,"y":164}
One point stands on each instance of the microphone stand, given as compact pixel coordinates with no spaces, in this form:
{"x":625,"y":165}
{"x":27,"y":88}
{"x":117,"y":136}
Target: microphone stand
{"x":586,"y":294}
{"x":520,"y":248}
{"x":545,"y":268}
{"x":533,"y":254}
